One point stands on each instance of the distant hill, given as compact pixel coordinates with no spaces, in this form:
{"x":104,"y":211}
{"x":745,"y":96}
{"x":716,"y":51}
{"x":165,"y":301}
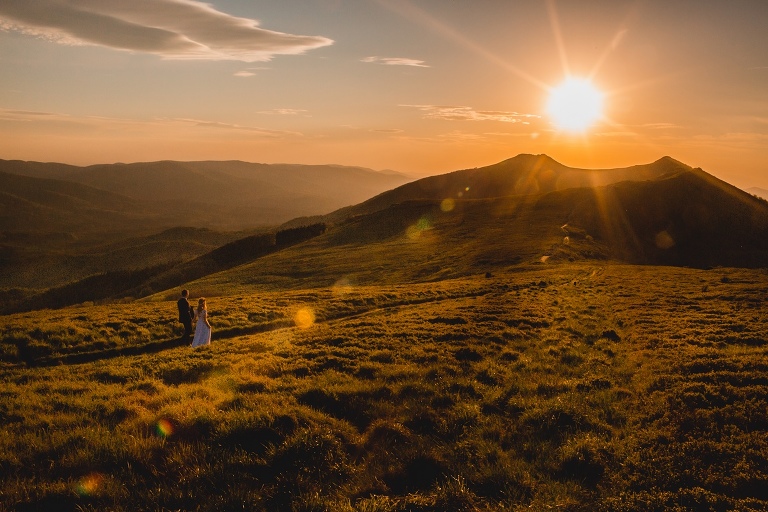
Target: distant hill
{"x":220,"y":195}
{"x":43,"y":261}
{"x":528,"y":210}
{"x":689,"y":218}
{"x":673,"y":215}
{"x":522,"y":175}
{"x":52,"y":205}
{"x":757,"y":191}
{"x":149,"y":276}
{"x":61,"y":223}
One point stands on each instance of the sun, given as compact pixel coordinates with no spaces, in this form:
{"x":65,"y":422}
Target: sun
{"x":575,"y":105}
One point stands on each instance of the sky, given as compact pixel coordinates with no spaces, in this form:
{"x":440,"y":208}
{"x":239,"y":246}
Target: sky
{"x":417,"y":86}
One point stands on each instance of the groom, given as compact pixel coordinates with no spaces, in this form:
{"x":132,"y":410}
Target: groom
{"x":185,"y":315}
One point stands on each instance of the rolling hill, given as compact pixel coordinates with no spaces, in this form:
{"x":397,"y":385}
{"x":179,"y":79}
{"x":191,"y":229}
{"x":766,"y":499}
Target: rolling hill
{"x":677,"y":216}
{"x":759,"y":192}
{"x":40,"y":262}
{"x":29,"y":204}
{"x":61,"y":223}
{"x":521,"y":175}
{"x":525,"y":210}
{"x":219,"y":195}
{"x":429,"y":352}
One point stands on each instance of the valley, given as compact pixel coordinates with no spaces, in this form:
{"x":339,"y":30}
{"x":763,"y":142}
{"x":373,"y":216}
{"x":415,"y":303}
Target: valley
{"x":383,"y":256}
{"x":597,"y":348}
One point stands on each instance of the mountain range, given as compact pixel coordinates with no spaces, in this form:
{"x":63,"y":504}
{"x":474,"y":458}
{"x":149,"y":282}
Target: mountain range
{"x":527,"y":210}
{"x":759,"y":192}
{"x":60,"y":223}
{"x":472,"y":222}
{"x":233,"y":195}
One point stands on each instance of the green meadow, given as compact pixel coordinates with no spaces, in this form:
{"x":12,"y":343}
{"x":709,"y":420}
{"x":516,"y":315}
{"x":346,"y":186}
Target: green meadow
{"x":590,"y":386}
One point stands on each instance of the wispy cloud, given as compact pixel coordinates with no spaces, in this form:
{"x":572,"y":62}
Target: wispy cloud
{"x":387,"y":130}
{"x":172,"y":29}
{"x":460,"y":113}
{"x":263,"y":132}
{"x":282,"y":112}
{"x":453,"y":137}
{"x":660,"y":126}
{"x":396,"y":61}
{"x":249,"y":72}
{"x":21,"y":115}
{"x":127,"y":124}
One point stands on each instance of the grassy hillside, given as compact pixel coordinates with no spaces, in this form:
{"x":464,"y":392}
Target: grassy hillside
{"x":688,"y":218}
{"x":681,"y":219}
{"x":44,"y":261}
{"x":61,"y":223}
{"x":569,"y":387}
{"x":139,"y":267}
{"x":684,"y":217}
{"x":439,"y":353}
{"x":518,"y":176}
{"x":668,"y":214}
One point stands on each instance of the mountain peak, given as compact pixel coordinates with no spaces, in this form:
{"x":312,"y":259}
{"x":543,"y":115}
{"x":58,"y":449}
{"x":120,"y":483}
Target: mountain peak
{"x":531,"y":159}
{"x":668,"y":162}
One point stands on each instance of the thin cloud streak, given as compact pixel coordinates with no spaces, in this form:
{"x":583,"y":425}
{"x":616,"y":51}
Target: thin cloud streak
{"x":283,"y":112}
{"x":388,"y":130}
{"x":236,"y":127}
{"x":462,"y":113}
{"x":396,"y":61}
{"x":110,"y":123}
{"x":172,"y":29}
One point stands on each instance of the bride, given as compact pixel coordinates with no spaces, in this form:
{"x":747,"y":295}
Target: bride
{"x":203,"y":327}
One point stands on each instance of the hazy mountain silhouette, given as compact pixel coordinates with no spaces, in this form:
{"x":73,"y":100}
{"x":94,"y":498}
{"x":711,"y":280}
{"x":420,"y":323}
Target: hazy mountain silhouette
{"x":525,"y":210}
{"x":689,"y":218}
{"x":522,"y":175}
{"x":757,"y":191}
{"x":222,"y":195}
{"x":530,"y":209}
{"x":52,"y":205}
{"x":60,"y":223}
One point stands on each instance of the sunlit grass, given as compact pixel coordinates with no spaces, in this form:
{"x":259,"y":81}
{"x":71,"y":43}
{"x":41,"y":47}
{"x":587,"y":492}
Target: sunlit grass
{"x":573,"y":387}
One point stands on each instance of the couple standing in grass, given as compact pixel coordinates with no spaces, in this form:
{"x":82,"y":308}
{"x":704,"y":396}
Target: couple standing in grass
{"x":187,"y":314}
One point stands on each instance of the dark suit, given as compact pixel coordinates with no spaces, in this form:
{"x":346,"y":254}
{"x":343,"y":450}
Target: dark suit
{"x":185,"y":316}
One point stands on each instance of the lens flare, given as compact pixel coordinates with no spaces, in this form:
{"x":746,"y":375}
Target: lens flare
{"x":414,"y":231}
{"x":89,"y":485}
{"x":164,"y":428}
{"x":343,"y":286}
{"x":664,"y":240}
{"x":447,"y":205}
{"x":304,"y":318}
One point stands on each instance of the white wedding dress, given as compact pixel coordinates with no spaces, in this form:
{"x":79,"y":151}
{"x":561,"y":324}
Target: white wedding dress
{"x":202,"y":331}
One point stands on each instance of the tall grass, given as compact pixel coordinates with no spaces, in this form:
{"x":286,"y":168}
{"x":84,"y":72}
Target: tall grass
{"x":567,"y":388}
